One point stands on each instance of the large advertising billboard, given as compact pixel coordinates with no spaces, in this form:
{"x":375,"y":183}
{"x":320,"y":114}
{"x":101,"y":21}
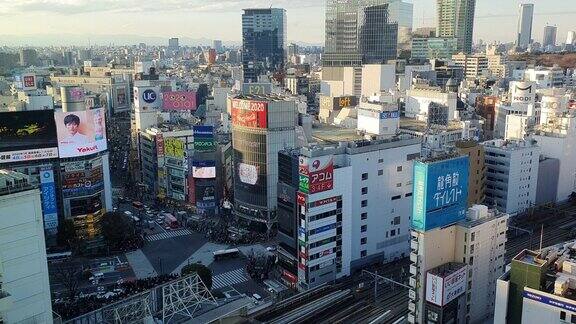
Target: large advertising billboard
{"x":440,"y":191}
{"x":316,"y":174}
{"x":81,"y":133}
{"x":204,"y":169}
{"x":249,"y":113}
{"x":179,"y":100}
{"x":82,"y":178}
{"x":204,"y":138}
{"x":27,"y":136}
{"x":147,"y":97}
{"x":174,"y":147}
{"x":523,"y":92}
{"x":49,"y":205}
{"x":442,"y":290}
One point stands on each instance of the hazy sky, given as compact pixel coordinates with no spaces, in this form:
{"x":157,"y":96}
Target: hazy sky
{"x":221,"y":19}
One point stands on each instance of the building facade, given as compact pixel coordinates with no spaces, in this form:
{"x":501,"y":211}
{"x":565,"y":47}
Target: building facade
{"x":456,"y":20}
{"x":525,"y":18}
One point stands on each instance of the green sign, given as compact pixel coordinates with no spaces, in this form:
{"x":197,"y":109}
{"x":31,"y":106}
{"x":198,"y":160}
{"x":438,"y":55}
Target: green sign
{"x":204,"y":144}
{"x":304,"y":183}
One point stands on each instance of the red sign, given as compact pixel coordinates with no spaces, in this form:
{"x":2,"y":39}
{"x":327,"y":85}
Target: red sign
{"x":322,"y":180}
{"x":303,"y":255}
{"x":160,"y":145}
{"x":29,"y":81}
{"x":179,"y":100}
{"x":302,"y":266}
{"x":249,"y":113}
{"x":289,"y":276}
{"x":301,"y":199}
{"x":326,"y":201}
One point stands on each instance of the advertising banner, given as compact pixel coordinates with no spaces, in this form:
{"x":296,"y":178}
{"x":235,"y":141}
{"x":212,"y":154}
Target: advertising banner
{"x":174,"y":147}
{"x":29,"y":82}
{"x":549,"y":299}
{"x":205,"y":193}
{"x":248,"y":173}
{"x":27,"y":136}
{"x":81,"y":133}
{"x":179,"y":100}
{"x":160,"y":146}
{"x":204,"y":138}
{"x":249,"y":113}
{"x":256,"y":88}
{"x":440,"y":191}
{"x":204,"y":169}
{"x":321,"y":174}
{"x":523,"y":92}
{"x":454,"y":285}
{"x":301,"y":198}
{"x":49,"y":204}
{"x":390,"y":114}
{"x":434,"y":286}
{"x":326,"y":201}
{"x":147,"y":97}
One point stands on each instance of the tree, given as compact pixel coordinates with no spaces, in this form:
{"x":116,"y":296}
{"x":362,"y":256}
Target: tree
{"x":203,"y":271}
{"x":69,"y":277}
{"x":117,"y":229}
{"x":67,"y":234}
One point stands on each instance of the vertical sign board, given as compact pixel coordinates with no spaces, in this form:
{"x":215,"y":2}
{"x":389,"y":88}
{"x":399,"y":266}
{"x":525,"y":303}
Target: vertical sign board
{"x":321,"y":174}
{"x":204,"y":138}
{"x":440,"y":193}
{"x":49,"y":206}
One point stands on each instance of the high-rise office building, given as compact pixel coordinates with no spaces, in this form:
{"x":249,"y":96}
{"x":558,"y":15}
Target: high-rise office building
{"x":358,"y":31}
{"x":549,"y":36}
{"x":456,"y":20}
{"x":263,"y":41}
{"x":28,"y":56}
{"x":217,"y":45}
{"x":24,"y":287}
{"x":525,"y":25}
{"x":173,"y":44}
{"x":571,"y":38}
{"x":261,"y":127}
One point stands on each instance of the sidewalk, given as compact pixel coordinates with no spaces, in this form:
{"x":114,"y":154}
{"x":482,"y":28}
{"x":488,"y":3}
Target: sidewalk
{"x":140,"y":264}
{"x":203,"y":254}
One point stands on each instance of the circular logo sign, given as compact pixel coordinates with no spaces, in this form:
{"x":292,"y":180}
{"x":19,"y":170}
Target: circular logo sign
{"x":149,"y":96}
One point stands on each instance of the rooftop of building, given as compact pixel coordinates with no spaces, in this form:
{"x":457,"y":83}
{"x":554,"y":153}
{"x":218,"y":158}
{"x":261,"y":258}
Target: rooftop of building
{"x":446,"y":269}
{"x":465,"y":144}
{"x":13,"y":182}
{"x":510,"y":145}
{"x":263,"y":97}
{"x":411,"y":124}
{"x":479,"y":214}
{"x":325,"y":133}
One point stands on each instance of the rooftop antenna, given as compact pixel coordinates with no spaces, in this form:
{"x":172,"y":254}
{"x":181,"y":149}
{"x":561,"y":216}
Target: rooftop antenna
{"x":541,"y":237}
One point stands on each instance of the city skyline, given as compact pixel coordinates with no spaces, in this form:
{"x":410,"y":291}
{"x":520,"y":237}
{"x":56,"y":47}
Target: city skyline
{"x":25,"y":22}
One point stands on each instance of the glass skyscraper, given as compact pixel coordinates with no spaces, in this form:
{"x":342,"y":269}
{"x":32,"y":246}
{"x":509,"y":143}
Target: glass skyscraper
{"x":456,"y":20}
{"x":263,"y":41}
{"x":525,"y":25}
{"x":359,"y":31}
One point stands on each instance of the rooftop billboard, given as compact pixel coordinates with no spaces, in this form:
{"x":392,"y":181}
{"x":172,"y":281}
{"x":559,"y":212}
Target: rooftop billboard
{"x":440,"y":193}
{"x":81,"y":133}
{"x":27,"y":135}
{"x":249,"y":113}
{"x":179,"y":100}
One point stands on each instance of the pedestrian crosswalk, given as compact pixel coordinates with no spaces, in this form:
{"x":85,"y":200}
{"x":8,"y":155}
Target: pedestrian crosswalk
{"x":167,"y":235}
{"x":229,"y":278}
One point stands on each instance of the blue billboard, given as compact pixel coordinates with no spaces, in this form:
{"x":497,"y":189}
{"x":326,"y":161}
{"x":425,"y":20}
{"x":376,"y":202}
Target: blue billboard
{"x":49,"y":206}
{"x":440,"y":193}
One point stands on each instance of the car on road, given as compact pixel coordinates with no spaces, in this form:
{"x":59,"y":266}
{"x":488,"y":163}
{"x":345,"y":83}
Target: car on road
{"x":271,"y":249}
{"x":257,"y":297}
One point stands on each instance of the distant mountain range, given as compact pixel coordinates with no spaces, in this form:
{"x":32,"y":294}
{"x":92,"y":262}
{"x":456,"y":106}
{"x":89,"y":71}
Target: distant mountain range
{"x":86,"y":40}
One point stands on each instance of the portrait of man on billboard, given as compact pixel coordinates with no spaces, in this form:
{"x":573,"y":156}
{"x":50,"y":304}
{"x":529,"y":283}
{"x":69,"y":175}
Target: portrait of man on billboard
{"x":75,"y":137}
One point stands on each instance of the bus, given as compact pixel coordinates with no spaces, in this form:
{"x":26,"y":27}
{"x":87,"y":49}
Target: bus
{"x":58,"y":257}
{"x":226,"y":254}
{"x":170,"y":221}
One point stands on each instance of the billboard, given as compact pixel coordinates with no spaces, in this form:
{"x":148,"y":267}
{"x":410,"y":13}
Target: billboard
{"x":160,"y":145}
{"x":440,"y":191}
{"x":27,"y":135}
{"x":204,"y":169}
{"x":174,"y":147}
{"x":336,"y":103}
{"x":523,"y":92}
{"x":49,"y":205}
{"x":442,"y":290}
{"x":204,"y":138}
{"x":179,"y":100}
{"x":248,"y":173}
{"x":321,"y":174}
{"x":28,"y":82}
{"x":85,"y":181}
{"x":81,"y":133}
{"x":147,"y":97}
{"x":249,"y":113}
{"x":256,"y":88}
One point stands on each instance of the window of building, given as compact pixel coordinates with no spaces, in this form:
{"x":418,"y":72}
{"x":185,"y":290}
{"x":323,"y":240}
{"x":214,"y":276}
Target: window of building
{"x":380,"y":172}
{"x":364,"y":216}
{"x":472,"y":236}
{"x":364,"y":228}
{"x":363,"y":253}
{"x":364,"y":203}
{"x":392,"y":232}
{"x":573,"y":318}
{"x":398,"y":185}
{"x":364,"y":176}
{"x":364,"y":190}
{"x":397,"y":220}
{"x":399,"y":168}
{"x":472,"y":249}
{"x":563,"y":315}
{"x":471,"y":260}
{"x":380,"y":160}
{"x":363,"y":240}
{"x":396,"y":197}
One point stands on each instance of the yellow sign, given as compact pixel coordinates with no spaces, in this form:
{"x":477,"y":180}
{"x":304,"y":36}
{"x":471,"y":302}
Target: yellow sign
{"x":173,"y":147}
